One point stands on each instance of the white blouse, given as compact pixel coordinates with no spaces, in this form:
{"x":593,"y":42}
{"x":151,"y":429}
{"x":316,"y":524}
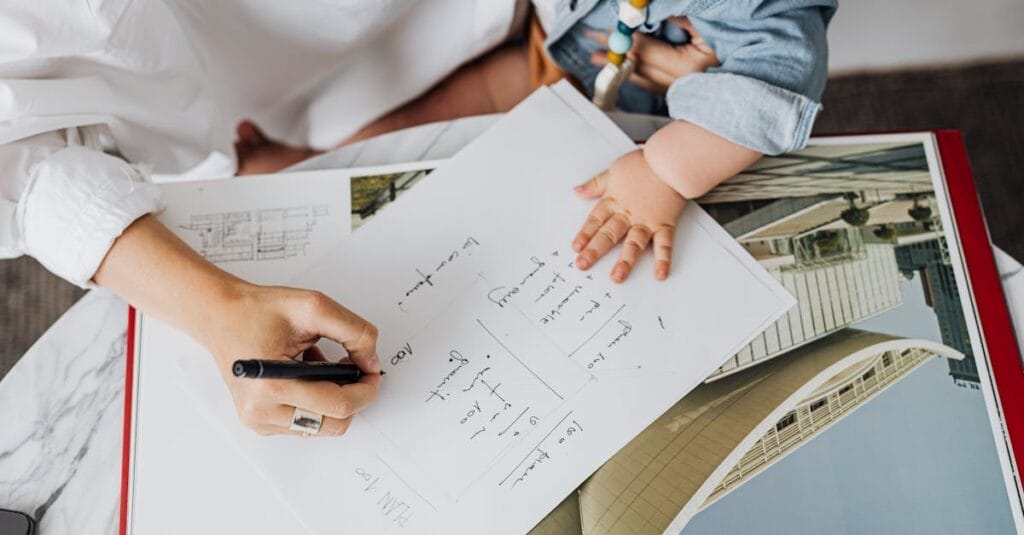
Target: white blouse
{"x":164,"y":83}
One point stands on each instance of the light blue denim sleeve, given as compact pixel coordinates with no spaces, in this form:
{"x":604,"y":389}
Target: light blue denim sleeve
{"x":774,"y":62}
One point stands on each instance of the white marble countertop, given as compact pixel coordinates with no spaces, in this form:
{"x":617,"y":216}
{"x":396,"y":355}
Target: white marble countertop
{"x":61,"y":406}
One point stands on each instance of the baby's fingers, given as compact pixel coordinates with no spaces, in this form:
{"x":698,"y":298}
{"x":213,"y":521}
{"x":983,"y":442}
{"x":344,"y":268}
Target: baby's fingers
{"x":594,"y":221}
{"x":663,"y":252}
{"x":606,"y":237}
{"x":594,"y":187}
{"x":636,"y":241}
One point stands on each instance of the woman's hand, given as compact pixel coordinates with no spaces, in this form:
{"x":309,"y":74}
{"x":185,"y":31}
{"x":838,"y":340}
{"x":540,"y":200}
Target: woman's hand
{"x":262,"y":322}
{"x":635,"y":206}
{"x":658,"y":63}
{"x":153,"y":270}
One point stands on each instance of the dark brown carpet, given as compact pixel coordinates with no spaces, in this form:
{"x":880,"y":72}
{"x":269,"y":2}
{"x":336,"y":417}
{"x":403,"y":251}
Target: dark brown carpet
{"x":985,"y":102}
{"x":32,"y":300}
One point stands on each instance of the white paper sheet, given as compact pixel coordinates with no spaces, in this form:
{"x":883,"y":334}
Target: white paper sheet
{"x":511,"y":375}
{"x":263,"y":228}
{"x":169,"y":427}
{"x":188,"y":476}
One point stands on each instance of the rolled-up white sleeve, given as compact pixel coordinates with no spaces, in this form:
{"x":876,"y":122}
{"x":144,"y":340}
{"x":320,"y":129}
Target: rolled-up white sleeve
{"x":65,"y":205}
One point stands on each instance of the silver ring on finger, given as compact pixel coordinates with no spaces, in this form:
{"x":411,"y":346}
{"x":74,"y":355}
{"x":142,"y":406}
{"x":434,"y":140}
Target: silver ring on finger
{"x":305,"y":422}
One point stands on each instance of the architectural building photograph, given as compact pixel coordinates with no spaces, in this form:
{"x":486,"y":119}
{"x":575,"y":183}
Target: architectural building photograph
{"x":868,"y":385}
{"x":371,"y":193}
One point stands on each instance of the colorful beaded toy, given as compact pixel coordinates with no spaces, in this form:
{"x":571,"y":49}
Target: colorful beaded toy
{"x":632,"y":13}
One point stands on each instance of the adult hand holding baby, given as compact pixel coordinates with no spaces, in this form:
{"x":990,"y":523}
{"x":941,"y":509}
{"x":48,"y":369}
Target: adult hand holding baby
{"x":658,"y":63}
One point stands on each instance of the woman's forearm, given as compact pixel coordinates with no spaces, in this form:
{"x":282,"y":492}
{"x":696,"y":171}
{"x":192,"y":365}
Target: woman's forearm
{"x":151,"y":268}
{"x":693,"y":160}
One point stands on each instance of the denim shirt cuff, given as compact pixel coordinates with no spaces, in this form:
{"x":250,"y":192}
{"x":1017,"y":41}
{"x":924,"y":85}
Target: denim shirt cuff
{"x":744,"y":110}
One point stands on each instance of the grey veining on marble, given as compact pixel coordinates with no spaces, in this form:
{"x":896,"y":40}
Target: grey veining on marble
{"x":61,"y":406}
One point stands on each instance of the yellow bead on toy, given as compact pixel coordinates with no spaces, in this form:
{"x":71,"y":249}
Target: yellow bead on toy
{"x":632,"y":14}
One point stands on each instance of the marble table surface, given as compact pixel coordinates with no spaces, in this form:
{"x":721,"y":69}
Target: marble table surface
{"x":61,"y":405}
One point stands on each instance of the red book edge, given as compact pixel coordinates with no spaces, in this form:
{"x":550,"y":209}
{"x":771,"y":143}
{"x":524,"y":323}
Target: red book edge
{"x":126,"y":433}
{"x":993,"y":316}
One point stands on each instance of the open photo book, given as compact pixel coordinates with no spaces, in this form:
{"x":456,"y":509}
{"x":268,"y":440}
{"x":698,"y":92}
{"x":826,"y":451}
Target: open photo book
{"x":832,"y":352}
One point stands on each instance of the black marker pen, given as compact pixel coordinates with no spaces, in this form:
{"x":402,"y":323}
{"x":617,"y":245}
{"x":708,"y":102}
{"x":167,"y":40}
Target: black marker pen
{"x":339,"y":372}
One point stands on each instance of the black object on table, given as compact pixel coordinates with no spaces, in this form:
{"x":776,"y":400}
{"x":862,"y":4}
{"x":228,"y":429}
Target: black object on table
{"x":15,"y":523}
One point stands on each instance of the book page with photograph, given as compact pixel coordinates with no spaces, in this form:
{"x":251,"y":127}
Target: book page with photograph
{"x":866,"y":409}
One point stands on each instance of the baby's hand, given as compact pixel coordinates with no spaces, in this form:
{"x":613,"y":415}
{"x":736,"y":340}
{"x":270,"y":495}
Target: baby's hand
{"x":635,"y":205}
{"x":658,"y":63}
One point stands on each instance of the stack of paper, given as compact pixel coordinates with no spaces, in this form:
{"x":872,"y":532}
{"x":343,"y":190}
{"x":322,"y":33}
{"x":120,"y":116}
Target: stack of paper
{"x":511,"y":375}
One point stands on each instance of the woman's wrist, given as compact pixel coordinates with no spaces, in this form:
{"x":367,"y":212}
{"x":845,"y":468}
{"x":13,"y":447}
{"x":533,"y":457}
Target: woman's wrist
{"x":153,"y":270}
{"x":218,"y":302}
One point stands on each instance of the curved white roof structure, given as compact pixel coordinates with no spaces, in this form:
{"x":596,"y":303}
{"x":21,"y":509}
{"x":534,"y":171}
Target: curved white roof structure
{"x":725,"y":432}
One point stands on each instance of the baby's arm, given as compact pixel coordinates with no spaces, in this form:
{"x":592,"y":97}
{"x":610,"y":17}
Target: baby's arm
{"x":693,"y":160}
{"x":643,"y":193}
{"x":762,"y":99}
{"x":774,"y":60}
